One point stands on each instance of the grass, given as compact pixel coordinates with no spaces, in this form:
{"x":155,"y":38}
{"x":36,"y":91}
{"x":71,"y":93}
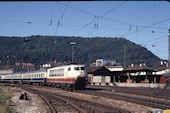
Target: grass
{"x":4,"y":97}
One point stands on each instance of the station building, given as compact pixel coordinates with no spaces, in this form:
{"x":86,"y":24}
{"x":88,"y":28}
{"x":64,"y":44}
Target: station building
{"x":134,"y":76}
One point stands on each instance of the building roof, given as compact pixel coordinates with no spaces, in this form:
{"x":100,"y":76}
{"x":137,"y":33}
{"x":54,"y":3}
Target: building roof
{"x":160,"y":66}
{"x":139,"y":67}
{"x":91,"y":69}
{"x":7,"y":67}
{"x":102,"y":71}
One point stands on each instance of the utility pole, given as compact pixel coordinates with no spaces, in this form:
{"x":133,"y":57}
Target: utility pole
{"x":124,"y":56}
{"x":169,"y":51}
{"x":72,"y":52}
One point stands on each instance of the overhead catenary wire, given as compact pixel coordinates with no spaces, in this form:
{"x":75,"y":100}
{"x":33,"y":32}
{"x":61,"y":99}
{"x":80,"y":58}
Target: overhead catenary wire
{"x":64,"y":12}
{"x":52,"y":13}
{"x":52,"y":23}
{"x":96,"y":24}
{"x":154,"y":39}
{"x":137,"y":30}
{"x":140,"y":10}
{"x":94,"y":15}
{"x":106,"y":6}
{"x":109,"y":19}
{"x":99,"y":17}
{"x":51,"y":19}
{"x":59,"y":23}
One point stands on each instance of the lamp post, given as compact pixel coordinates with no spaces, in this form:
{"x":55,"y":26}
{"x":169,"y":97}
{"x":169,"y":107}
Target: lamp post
{"x":72,"y":52}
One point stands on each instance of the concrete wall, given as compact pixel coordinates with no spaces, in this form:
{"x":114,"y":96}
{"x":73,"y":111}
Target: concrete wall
{"x":6,"y":71}
{"x":150,"y":85}
{"x":97,"y":79}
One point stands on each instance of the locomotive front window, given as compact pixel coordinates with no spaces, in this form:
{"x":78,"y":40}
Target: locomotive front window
{"x":76,"y":68}
{"x":82,"y":68}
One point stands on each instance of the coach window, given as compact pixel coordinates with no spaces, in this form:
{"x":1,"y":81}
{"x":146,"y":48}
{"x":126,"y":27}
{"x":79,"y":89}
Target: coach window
{"x":56,"y":70}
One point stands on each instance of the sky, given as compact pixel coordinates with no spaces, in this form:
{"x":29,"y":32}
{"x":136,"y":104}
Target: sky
{"x":143,"y":22}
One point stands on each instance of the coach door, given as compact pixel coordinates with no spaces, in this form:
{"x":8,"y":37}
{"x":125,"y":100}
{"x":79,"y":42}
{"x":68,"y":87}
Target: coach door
{"x":103,"y":79}
{"x":68,"y":71}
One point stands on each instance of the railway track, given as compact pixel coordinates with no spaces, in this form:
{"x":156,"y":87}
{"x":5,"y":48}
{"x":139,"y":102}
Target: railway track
{"x":150,"y":92}
{"x":128,"y":96}
{"x":78,"y":105}
{"x":156,"y":93}
{"x":140,"y":100}
{"x":58,"y":102}
{"x":55,"y":102}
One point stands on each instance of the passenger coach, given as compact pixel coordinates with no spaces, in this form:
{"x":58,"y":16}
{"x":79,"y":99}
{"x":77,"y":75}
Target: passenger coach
{"x":34,"y":77}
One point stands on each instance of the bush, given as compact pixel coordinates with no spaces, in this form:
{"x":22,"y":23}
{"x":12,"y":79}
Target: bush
{"x":4,"y":97}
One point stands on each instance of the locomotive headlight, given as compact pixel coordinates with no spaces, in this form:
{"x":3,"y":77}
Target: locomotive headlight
{"x":81,"y":74}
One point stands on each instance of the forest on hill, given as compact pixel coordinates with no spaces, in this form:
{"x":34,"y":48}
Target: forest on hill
{"x":42,"y":49}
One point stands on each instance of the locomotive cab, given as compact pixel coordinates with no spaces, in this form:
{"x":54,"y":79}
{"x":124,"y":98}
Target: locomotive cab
{"x":79,"y":72}
{"x":76,"y":71}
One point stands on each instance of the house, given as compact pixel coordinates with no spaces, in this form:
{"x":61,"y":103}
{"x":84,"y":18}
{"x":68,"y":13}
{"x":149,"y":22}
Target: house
{"x":141,"y":74}
{"x":104,"y":62}
{"x":99,"y":75}
{"x":138,"y":75}
{"x":19,"y":66}
{"x":163,"y":70}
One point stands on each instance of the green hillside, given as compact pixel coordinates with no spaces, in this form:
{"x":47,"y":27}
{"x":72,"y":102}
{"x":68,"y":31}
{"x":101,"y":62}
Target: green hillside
{"x":42,"y":49}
